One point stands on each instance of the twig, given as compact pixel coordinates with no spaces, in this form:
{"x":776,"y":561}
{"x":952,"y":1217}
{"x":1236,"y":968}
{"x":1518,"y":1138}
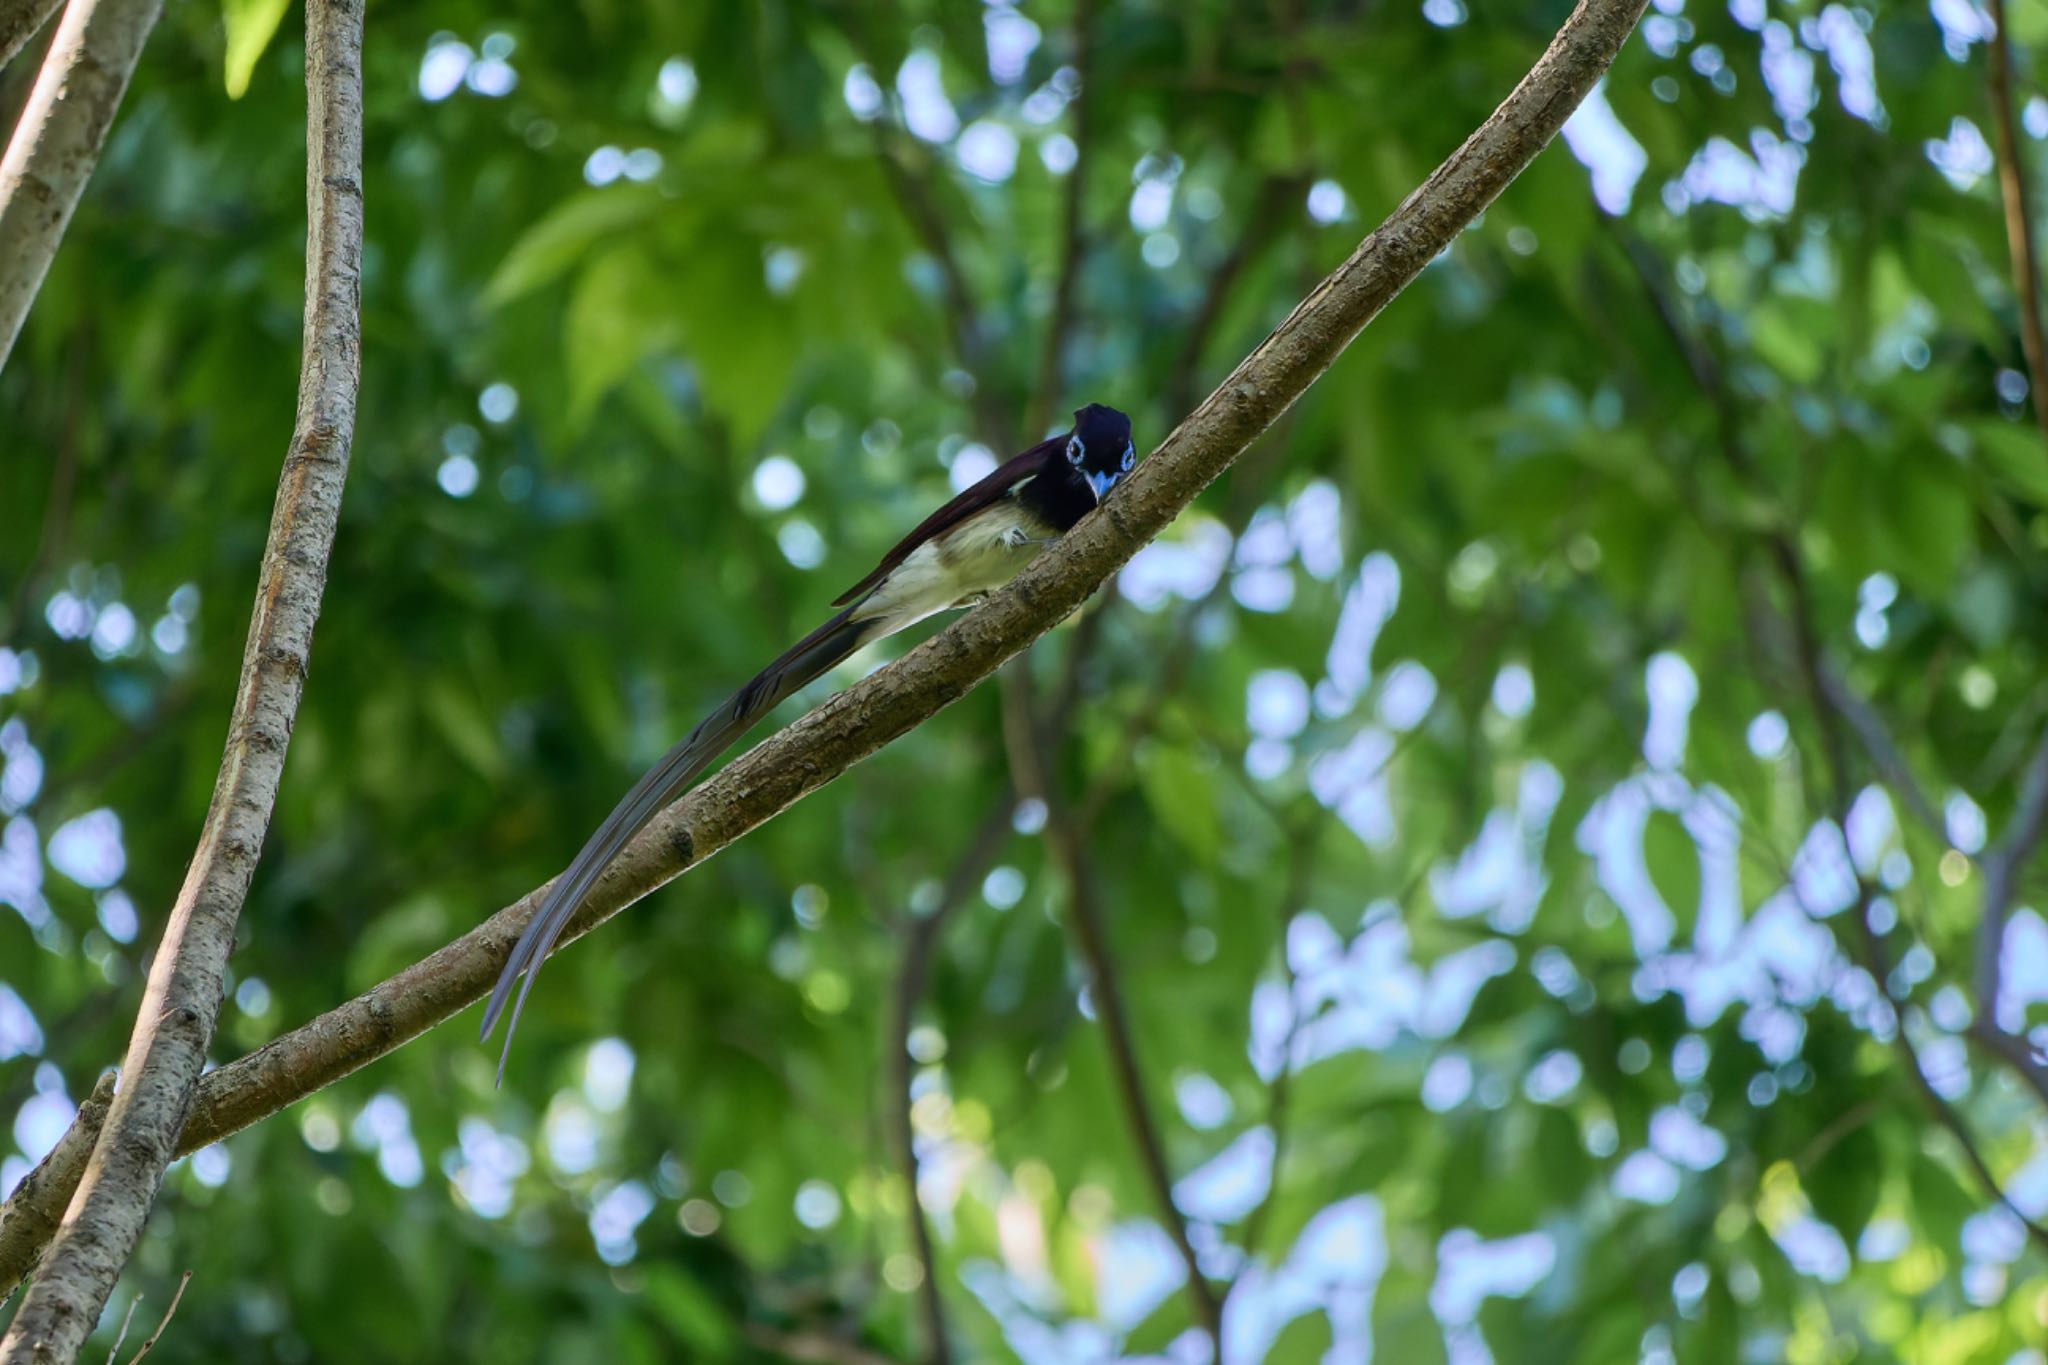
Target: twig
{"x":2019,"y":232}
{"x":857,"y":722}
{"x":57,"y":142}
{"x":1828,"y":716}
{"x":56,"y":524}
{"x":1828,"y":1138}
{"x":911,"y":981}
{"x":157,"y":1335}
{"x":122,"y":1335}
{"x":1280,"y":1092}
{"x":1269,"y":205}
{"x":1072,"y":244}
{"x":21,"y":20}
{"x":1883,"y":750}
{"x":1832,"y":689}
{"x":2003,"y":864}
{"x":1944,"y":1113}
{"x":1085,"y":907}
{"x":175,"y":1024}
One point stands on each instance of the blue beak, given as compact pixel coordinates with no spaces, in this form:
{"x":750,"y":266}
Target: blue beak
{"x":1100,"y":483}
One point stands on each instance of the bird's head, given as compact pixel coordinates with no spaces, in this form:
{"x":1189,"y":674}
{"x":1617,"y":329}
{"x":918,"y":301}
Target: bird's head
{"x":1100,"y":448}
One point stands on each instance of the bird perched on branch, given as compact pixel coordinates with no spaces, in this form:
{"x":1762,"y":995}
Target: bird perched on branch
{"x":956,"y":556}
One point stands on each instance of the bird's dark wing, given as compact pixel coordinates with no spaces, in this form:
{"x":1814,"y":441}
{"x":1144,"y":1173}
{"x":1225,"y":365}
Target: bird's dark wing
{"x":1005,"y":477}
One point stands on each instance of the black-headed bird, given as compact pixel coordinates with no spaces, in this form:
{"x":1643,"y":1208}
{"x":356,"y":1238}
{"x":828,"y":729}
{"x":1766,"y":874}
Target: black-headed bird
{"x":956,"y":557}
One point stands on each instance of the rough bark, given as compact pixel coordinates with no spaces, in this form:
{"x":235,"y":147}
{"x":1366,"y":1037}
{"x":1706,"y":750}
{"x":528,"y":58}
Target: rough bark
{"x":30,"y":1217}
{"x":175,"y":1024}
{"x":57,"y":143}
{"x":819,"y":746}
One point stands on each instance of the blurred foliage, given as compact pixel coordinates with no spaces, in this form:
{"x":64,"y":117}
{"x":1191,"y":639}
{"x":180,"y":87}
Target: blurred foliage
{"x":1493,"y":756}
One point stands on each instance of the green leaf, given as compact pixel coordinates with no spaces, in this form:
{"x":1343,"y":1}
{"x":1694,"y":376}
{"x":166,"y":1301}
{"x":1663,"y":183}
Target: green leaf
{"x":557,"y":242}
{"x":1926,"y":514}
{"x":1305,"y":1340}
{"x":2013,"y":454}
{"x":1781,"y":339}
{"x":465,"y":726}
{"x":1182,"y":793}
{"x":1844,"y":1184}
{"x":612,"y":322}
{"x":687,"y":1309}
{"x":2027,"y":22}
{"x":251,"y":24}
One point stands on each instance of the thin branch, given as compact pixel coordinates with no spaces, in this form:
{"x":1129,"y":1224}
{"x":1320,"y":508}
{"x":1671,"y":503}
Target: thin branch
{"x":2013,"y":1050}
{"x":1883,"y":750}
{"x":1072,"y":245}
{"x":1031,"y":747}
{"x":2019,"y":231}
{"x":1269,"y":205}
{"x":1870,"y":945}
{"x":911,"y":982}
{"x":2003,"y":864}
{"x":857,"y":722}
{"x":21,"y":20}
{"x":56,"y":523}
{"x":1828,"y":1138}
{"x":1944,"y":1113}
{"x":57,"y":143}
{"x":1084,"y":903}
{"x":176,"y":1298}
{"x":1301,"y":864}
{"x":127,"y":1319}
{"x":179,"y":1005}
{"x":1823,"y":693}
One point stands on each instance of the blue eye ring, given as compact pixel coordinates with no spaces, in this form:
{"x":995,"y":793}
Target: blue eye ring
{"x":1130,"y":456}
{"x":1074,"y":450}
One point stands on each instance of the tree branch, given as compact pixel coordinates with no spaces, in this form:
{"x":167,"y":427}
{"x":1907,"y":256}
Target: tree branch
{"x":57,"y":143}
{"x":1029,"y":745}
{"x":21,"y":20}
{"x":1301,"y":850}
{"x":911,"y":982}
{"x":29,"y":1218}
{"x":2019,"y":232}
{"x":1072,"y":244}
{"x":849,"y":726}
{"x":177,"y":1297}
{"x":186,"y":982}
{"x":1269,"y":204}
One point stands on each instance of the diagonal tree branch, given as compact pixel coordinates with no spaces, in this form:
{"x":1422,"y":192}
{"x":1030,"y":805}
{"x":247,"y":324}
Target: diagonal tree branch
{"x":912,"y":979}
{"x":29,"y":1218}
{"x":849,"y":726}
{"x":1072,"y":243}
{"x":186,"y":982}
{"x":21,"y":20}
{"x":1269,"y":205}
{"x":1084,"y":906}
{"x":2003,"y":864}
{"x":54,"y":149}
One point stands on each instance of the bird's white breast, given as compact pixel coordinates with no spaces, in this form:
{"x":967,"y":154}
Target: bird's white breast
{"x":955,"y":567}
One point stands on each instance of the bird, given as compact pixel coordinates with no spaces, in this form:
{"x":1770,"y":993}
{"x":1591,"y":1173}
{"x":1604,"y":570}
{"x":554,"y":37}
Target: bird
{"x":955,"y":557}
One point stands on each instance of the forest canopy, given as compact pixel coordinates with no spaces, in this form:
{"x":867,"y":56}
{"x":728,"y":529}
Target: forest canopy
{"x":1540,"y":862}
